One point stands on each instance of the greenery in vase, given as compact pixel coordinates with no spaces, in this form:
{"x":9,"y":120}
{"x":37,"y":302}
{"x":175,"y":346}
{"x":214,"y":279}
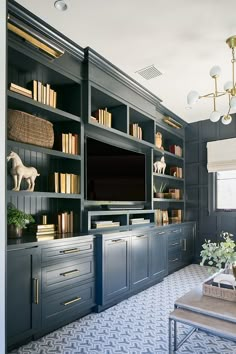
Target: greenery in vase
{"x":219,"y":254}
{"x":159,"y":189}
{"x":18,"y":218}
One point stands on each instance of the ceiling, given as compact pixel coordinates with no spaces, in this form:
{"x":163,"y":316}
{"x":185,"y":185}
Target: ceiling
{"x":182,"y":39}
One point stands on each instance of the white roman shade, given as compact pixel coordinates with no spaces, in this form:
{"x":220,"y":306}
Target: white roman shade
{"x":221,"y":155}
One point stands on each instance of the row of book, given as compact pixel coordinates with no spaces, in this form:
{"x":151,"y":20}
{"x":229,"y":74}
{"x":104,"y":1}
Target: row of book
{"x":66,"y":183}
{"x":176,"y":149}
{"x":176,"y":172}
{"x":138,"y":221}
{"x":43,"y":93}
{"x":136,"y":131}
{"x":69,"y":143}
{"x":65,"y":222}
{"x":102,"y":116}
{"x":102,"y":224}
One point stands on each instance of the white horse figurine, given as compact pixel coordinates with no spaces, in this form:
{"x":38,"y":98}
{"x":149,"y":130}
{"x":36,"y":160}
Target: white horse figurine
{"x":160,"y":166}
{"x":20,"y":171}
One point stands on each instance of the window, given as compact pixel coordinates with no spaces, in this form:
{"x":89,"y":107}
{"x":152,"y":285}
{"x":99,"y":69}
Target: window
{"x":225,"y":190}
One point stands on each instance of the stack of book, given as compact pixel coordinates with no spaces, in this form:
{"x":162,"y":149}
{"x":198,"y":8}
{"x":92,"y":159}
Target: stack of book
{"x":174,"y":193}
{"x":65,"y":222}
{"x":175,"y":149}
{"x":176,"y":172}
{"x":65,"y":183}
{"x":21,"y":90}
{"x":69,"y":143}
{"x":136,"y":131}
{"x":103,"y":224}
{"x":176,"y":216}
{"x":102,"y":116}
{"x":138,"y":221}
{"x":44,"y":231}
{"x":43,"y":93}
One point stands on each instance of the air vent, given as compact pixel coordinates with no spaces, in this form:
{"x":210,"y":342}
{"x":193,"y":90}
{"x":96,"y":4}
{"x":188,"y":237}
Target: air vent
{"x":150,"y":72}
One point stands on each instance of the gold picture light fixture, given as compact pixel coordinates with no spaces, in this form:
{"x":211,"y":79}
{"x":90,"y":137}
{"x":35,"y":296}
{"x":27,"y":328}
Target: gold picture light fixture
{"x":229,"y":89}
{"x":33,"y":37}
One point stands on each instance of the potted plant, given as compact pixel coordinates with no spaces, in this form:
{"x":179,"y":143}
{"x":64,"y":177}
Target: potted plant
{"x":159,"y":192}
{"x":221,"y":254}
{"x":17,"y":221}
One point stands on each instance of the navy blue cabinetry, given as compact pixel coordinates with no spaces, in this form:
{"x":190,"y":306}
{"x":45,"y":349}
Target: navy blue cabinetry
{"x":23,"y":294}
{"x":188,"y":243}
{"x":140,"y":260}
{"x":158,"y":254}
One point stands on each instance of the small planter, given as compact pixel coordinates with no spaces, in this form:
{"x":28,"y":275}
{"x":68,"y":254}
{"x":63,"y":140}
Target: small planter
{"x":14,"y":231}
{"x":158,"y":195}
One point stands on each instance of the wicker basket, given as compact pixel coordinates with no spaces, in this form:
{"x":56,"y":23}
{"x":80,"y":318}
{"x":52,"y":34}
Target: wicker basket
{"x":26,"y":128}
{"x":218,"y":292}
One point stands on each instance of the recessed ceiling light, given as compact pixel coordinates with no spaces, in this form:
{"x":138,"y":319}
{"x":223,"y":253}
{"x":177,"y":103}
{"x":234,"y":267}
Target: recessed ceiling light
{"x":60,"y":5}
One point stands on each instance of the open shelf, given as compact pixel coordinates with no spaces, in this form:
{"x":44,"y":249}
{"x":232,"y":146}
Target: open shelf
{"x":44,"y":194}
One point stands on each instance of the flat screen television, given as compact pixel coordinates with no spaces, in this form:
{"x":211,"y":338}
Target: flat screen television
{"x":113,"y":173}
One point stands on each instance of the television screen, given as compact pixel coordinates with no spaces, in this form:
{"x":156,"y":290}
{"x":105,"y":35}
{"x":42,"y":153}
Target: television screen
{"x":114,"y":174}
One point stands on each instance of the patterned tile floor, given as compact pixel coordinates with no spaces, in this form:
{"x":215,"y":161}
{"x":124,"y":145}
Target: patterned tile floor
{"x":138,"y":325}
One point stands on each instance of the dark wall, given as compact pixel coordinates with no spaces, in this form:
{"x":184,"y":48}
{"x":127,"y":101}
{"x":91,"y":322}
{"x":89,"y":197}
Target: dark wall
{"x":196,"y":176}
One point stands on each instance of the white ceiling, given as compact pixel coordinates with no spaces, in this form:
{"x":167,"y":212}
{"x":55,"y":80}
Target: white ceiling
{"x":183,"y":39}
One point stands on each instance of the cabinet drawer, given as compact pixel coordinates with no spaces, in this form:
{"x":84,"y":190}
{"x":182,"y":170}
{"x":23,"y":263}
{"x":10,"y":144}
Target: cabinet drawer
{"x":57,"y":276}
{"x":174,"y":242}
{"x":174,"y":261}
{"x":65,"y":251}
{"x":67,"y":303}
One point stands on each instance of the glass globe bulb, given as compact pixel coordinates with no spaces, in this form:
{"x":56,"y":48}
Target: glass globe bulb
{"x":233,"y":102}
{"x":215,"y":71}
{"x":228,"y":85}
{"x":192,"y":97}
{"x":226,"y":119}
{"x":60,"y":5}
{"x":215,"y":116}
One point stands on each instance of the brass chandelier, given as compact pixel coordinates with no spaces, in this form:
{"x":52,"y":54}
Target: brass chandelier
{"x":229,"y":89}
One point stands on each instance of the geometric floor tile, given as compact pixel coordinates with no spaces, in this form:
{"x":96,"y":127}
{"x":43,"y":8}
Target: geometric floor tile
{"x":138,"y":325}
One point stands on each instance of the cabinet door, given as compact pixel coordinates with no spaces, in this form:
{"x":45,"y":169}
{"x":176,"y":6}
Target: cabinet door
{"x":116,"y":268}
{"x":139,"y":260}
{"x":188,"y":244}
{"x":158,"y":255}
{"x":23,"y":295}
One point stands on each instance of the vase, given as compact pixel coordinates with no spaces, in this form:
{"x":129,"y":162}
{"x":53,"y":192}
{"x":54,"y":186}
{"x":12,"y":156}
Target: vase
{"x":227,"y":267}
{"x":14,"y":231}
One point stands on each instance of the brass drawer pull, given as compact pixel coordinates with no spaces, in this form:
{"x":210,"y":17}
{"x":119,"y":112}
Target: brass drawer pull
{"x":141,"y":236}
{"x":175,"y":244}
{"x":118,"y":240}
{"x":175,"y":231}
{"x":70,"y":272}
{"x":161,"y":233}
{"x":36,"y":290}
{"x":174,"y":260}
{"x":185,"y":244}
{"x":72,"y":250}
{"x":71,"y":301}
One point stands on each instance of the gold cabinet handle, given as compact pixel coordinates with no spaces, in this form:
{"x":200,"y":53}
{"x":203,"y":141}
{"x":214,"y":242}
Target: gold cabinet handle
{"x":161,"y":233}
{"x":70,"y":272}
{"x":36,"y":290}
{"x":72,"y":250}
{"x":71,"y":301}
{"x":185,"y":244}
{"x":118,"y":240}
{"x":141,"y":235}
{"x":175,"y":244}
{"x":174,"y":231}
{"x":174,"y":260}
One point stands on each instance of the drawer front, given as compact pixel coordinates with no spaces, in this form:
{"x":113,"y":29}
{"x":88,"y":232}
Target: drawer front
{"x":67,"y":303}
{"x":65,"y":251}
{"x":174,"y":242}
{"x":57,"y":276}
{"x":174,"y":261}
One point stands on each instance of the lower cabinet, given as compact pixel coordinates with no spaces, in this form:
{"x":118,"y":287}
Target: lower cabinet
{"x":127,"y":263}
{"x":23,"y":294}
{"x":48,"y":286}
{"x":188,"y":241}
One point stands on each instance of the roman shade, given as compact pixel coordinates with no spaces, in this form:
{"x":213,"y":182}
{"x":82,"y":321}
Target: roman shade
{"x":221,"y":155}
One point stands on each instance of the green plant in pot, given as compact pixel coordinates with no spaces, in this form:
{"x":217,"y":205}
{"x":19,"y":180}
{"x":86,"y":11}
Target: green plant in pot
{"x":221,"y":255}
{"x":17,"y":220}
{"x":159,"y":191}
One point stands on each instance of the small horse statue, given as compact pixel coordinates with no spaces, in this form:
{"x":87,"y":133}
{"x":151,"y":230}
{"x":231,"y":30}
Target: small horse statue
{"x":19,"y":171}
{"x":160,"y":166}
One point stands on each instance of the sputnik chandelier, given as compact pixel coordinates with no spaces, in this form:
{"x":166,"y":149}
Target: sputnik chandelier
{"x":229,"y":90}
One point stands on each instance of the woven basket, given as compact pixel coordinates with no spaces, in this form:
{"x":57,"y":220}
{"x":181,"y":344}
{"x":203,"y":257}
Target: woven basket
{"x":218,"y":292}
{"x":26,"y":128}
